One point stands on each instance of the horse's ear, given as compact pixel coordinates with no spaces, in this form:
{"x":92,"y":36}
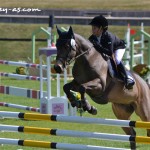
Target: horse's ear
{"x":71,"y":32}
{"x":58,"y":30}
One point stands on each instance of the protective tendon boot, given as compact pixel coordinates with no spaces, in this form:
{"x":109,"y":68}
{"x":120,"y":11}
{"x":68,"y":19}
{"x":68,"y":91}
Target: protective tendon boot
{"x":129,"y":81}
{"x":87,"y":107}
{"x":71,"y":98}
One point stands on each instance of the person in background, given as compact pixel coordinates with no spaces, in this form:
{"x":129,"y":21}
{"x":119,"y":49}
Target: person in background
{"x":109,"y":44}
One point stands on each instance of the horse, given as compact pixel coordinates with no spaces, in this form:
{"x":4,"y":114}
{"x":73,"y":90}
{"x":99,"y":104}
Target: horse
{"x":91,"y":76}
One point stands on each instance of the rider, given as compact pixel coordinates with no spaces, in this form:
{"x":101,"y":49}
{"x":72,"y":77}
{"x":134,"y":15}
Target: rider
{"x":109,"y":44}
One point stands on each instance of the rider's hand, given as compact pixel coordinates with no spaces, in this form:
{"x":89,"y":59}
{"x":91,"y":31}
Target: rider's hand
{"x":96,"y":44}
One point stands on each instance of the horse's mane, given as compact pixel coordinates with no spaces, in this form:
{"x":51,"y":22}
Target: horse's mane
{"x":84,"y":41}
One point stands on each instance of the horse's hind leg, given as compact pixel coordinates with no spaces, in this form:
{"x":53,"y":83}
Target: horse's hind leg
{"x":143,"y":111}
{"x":124,"y":112}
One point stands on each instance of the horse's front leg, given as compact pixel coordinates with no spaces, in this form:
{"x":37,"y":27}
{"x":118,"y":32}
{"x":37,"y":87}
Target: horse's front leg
{"x":71,"y":86}
{"x":90,"y":87}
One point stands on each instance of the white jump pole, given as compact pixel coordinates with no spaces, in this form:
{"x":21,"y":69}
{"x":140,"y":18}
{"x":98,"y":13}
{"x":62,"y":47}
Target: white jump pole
{"x":23,"y":64}
{"x":48,"y":77}
{"x":75,"y":119}
{"x":54,"y":145}
{"x":73,"y":133}
{"x":19,"y":106}
{"x":25,"y":77}
{"x":58,"y":85}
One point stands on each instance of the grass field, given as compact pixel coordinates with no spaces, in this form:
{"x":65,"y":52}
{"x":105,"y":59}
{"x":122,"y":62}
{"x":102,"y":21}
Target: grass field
{"x":104,"y":111}
{"x":22,"y":50}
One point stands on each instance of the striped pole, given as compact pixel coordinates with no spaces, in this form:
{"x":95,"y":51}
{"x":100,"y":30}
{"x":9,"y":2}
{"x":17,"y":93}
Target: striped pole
{"x":20,"y":106}
{"x":72,"y":133}
{"x":17,"y":76}
{"x":54,"y":145}
{"x":18,"y":91}
{"x":75,"y":119}
{"x":30,"y":65}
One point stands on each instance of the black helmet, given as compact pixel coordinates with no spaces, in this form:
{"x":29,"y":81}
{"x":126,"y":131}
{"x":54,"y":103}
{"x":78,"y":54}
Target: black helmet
{"x":100,"y":21}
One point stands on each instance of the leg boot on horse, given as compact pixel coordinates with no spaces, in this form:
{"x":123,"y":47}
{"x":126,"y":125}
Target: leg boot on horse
{"x":67,"y":87}
{"x":79,"y":104}
{"x":84,"y":102}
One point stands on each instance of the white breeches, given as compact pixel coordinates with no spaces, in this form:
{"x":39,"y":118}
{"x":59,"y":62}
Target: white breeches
{"x":118,"y":55}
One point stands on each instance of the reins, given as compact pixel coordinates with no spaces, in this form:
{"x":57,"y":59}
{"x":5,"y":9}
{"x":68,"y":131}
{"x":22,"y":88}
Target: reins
{"x":73,"y":59}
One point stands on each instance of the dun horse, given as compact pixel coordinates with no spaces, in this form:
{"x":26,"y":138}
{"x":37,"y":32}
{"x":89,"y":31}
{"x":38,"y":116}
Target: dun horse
{"x":90,"y":73}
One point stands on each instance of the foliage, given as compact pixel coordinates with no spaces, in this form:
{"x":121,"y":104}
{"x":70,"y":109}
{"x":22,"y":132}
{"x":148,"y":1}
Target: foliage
{"x":142,"y":69}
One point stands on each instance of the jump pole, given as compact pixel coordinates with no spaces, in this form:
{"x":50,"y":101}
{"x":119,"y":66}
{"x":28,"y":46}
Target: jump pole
{"x":23,"y":92}
{"x":72,"y":133}
{"x":75,"y":119}
{"x":20,"y":106}
{"x":61,"y":100}
{"x":50,"y":105}
{"x":23,"y":64}
{"x":17,"y":76}
{"x":54,"y":145}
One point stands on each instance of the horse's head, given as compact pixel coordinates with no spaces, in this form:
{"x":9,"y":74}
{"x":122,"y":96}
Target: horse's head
{"x":66,"y":49}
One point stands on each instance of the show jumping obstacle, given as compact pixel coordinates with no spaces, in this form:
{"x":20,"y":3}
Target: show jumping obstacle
{"x":136,"y":45}
{"x":23,"y":64}
{"x":48,"y":103}
{"x":75,"y":119}
{"x":72,"y":133}
{"x":53,"y":145}
{"x":21,"y":77}
{"x":18,"y":91}
{"x":19,"y":106}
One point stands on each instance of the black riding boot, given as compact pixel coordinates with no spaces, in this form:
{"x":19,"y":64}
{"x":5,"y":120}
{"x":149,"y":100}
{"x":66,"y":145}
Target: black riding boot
{"x":129,"y":81}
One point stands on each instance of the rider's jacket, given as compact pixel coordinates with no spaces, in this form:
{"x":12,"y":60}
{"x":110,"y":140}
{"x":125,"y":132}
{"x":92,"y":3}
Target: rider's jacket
{"x":108,"y":43}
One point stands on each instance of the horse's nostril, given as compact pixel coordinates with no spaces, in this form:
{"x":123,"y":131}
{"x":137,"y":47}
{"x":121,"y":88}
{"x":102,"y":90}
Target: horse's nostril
{"x":57,"y":68}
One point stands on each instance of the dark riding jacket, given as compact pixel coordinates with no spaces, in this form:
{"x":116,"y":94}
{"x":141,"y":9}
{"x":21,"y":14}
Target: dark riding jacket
{"x":108,"y":43}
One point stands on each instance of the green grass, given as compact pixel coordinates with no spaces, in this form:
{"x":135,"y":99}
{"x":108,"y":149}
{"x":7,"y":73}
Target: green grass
{"x":22,"y":50}
{"x":104,"y":111}
{"x":78,"y":4}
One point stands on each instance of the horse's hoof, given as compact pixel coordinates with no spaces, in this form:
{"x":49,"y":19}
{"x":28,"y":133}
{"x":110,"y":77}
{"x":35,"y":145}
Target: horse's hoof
{"x":73,"y":104}
{"x":93,"y":110}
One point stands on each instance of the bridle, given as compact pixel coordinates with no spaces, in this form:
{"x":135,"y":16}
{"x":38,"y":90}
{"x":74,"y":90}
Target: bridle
{"x":74,"y":58}
{"x":69,"y":61}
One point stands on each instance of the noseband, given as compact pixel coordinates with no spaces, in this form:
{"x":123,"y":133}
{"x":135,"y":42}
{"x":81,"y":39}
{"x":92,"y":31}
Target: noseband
{"x":73,"y":59}
{"x":61,"y":42}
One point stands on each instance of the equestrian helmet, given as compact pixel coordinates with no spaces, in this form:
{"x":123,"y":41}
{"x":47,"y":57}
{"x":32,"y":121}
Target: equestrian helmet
{"x":99,"y":21}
